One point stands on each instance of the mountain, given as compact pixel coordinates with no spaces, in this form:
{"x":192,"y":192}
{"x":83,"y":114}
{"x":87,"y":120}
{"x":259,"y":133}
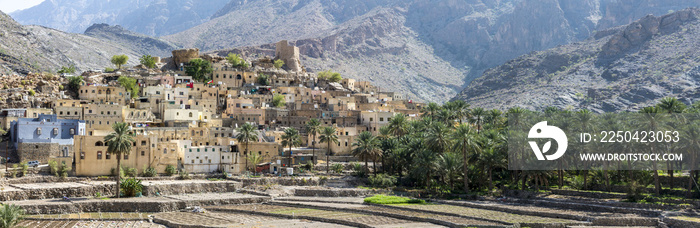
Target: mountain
{"x":448,"y":42}
{"x":135,"y":41}
{"x":622,"y":68}
{"x":150,"y":17}
{"x":428,"y":49}
{"x":37,"y":49}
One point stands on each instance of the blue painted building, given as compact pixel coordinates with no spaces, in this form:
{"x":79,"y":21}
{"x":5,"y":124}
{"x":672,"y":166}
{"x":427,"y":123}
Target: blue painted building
{"x":44,"y":137}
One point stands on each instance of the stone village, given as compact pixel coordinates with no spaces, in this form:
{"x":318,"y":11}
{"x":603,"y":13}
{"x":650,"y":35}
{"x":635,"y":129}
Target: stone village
{"x":192,"y":125}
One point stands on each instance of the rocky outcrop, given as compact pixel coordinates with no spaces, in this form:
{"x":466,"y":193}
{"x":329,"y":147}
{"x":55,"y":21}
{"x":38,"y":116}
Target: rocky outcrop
{"x":184,"y":55}
{"x":143,"y":43}
{"x":621,"y":69}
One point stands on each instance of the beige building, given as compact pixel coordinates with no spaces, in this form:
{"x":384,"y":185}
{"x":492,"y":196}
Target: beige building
{"x":98,"y":94}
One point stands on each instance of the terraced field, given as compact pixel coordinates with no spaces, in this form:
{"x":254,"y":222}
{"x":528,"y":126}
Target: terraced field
{"x":481,"y":213}
{"x":358,"y":218}
{"x":87,"y":224}
{"x":214,"y":219}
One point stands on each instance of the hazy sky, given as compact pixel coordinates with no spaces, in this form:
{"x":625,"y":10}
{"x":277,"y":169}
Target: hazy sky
{"x":9,"y":6}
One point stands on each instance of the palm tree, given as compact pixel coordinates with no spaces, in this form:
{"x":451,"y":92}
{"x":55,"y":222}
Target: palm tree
{"x":255,"y":159}
{"x":119,"y":144}
{"x":438,"y":137}
{"x":11,"y":215}
{"x":290,"y":139}
{"x":653,"y":119}
{"x":478,"y":117}
{"x":671,"y":105}
{"x":431,"y":110}
{"x":312,"y":128}
{"x":460,"y":109}
{"x":584,"y":118}
{"x":492,"y":158}
{"x":328,"y":135}
{"x":465,"y":140}
{"x":366,"y":146}
{"x":398,"y":125}
{"x":449,"y":164}
{"x":246,"y":134}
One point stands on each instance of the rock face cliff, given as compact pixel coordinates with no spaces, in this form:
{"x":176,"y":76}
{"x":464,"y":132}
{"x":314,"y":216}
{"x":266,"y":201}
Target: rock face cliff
{"x":150,"y":17}
{"x":26,"y":49}
{"x":622,"y":68}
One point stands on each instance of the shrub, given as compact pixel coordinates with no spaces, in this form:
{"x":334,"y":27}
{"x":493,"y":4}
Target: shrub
{"x":634,"y":191}
{"x":384,"y":199}
{"x":150,"y":172}
{"x":31,"y":92}
{"x":13,"y":172}
{"x":382,"y":181}
{"x":170,"y":170}
{"x":109,"y":70}
{"x":358,"y":170}
{"x":337,"y":168}
{"x":63,"y":171}
{"x":11,"y":215}
{"x":23,"y":168}
{"x":53,"y":167}
{"x":309,"y":166}
{"x":184,"y":175}
{"x":131,"y":172}
{"x":131,"y":186}
{"x":60,"y":87}
{"x":279,"y":63}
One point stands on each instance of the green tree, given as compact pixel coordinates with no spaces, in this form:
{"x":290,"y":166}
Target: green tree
{"x":119,"y":144}
{"x":328,"y":135}
{"x":148,"y":61}
{"x":255,"y":159}
{"x":398,"y":125}
{"x":11,"y":215}
{"x":278,"y":100}
{"x":263,"y":79}
{"x":246,"y":134}
{"x":330,"y":76}
{"x":290,"y":139}
{"x":67,"y":70}
{"x":450,"y":165}
{"x":236,"y":61}
{"x":366,"y":146}
{"x":119,"y":60}
{"x":313,"y":127}
{"x":74,"y":83}
{"x":279,"y":63}
{"x":671,"y":105}
{"x":129,"y":84}
{"x":465,"y":140}
{"x":199,"y":69}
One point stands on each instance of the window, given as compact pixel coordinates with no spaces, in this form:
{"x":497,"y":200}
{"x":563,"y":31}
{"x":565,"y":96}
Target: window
{"x":190,"y":114}
{"x":126,"y":157}
{"x":98,"y":143}
{"x":143,"y":142}
{"x":108,"y":156}
{"x":165,"y":151}
{"x":38,"y":131}
{"x":143,"y":153}
{"x":82,"y":155}
{"x":99,"y":155}
{"x":72,"y":131}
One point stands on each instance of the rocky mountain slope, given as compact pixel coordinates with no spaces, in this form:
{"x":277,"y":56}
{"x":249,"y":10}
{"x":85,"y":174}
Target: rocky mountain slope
{"x":151,"y":17}
{"x":470,"y":36}
{"x":27,"y":49}
{"x":622,"y":68}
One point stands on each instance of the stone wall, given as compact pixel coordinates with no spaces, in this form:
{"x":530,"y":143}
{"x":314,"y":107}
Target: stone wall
{"x":39,"y":151}
{"x":184,"y":55}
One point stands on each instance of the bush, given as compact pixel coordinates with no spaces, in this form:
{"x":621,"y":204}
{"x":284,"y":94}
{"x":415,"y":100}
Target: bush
{"x":279,"y":63}
{"x":358,"y":170}
{"x":131,"y":172}
{"x":11,"y":215}
{"x":13,"y":172}
{"x":53,"y":167}
{"x":31,"y":92}
{"x":337,"y":168}
{"x":309,"y":166}
{"x":131,"y":186}
{"x":184,"y":175}
{"x":382,"y":181}
{"x":60,"y":87}
{"x":170,"y":170}
{"x":23,"y":168}
{"x":150,"y":172}
{"x":635,"y":191}
{"x":384,"y":199}
{"x":63,"y":171}
{"x":109,"y":70}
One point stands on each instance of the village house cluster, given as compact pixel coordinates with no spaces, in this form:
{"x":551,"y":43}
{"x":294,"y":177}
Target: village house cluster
{"x":192,"y":125}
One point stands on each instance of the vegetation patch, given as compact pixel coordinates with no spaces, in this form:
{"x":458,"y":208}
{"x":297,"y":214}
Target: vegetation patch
{"x":385,"y":199}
